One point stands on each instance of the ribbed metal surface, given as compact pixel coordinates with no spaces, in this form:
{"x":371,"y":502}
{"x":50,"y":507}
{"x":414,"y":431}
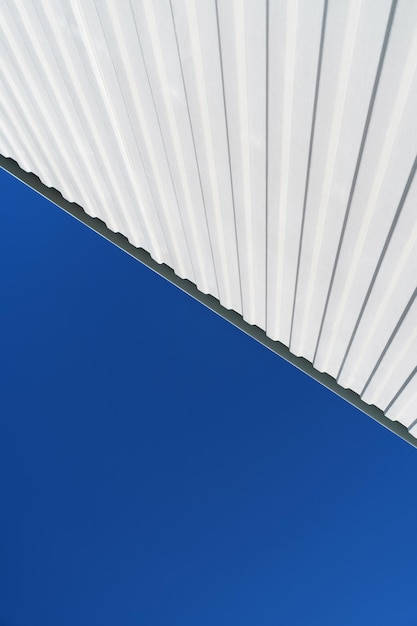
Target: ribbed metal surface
{"x":266,"y":151}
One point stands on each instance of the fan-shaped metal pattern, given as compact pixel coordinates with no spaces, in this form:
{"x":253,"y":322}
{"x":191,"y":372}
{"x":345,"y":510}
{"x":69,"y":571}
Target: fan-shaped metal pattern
{"x":266,"y":151}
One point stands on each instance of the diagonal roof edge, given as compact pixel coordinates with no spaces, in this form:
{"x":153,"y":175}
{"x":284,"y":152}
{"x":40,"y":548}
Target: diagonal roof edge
{"x":32,"y":181}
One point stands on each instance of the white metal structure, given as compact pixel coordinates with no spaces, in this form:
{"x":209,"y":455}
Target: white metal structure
{"x":264,"y":150}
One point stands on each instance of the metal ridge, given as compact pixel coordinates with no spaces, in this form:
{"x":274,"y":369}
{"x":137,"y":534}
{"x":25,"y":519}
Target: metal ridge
{"x":95,"y":224}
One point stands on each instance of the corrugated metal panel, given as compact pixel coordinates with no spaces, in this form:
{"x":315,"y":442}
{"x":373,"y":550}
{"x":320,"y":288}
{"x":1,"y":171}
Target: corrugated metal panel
{"x":266,"y":151}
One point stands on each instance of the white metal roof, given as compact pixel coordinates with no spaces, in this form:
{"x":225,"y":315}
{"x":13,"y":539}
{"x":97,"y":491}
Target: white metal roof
{"x":266,"y":151}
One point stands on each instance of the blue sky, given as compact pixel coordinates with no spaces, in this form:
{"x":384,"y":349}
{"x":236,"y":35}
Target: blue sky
{"x":159,"y":467}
